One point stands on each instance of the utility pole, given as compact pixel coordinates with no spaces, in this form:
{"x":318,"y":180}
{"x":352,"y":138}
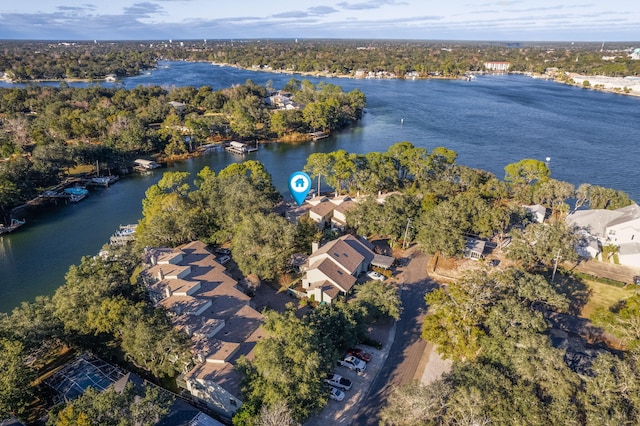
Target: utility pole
{"x":406,"y":231}
{"x":555,"y":266}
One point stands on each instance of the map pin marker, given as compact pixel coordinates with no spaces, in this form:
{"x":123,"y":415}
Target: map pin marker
{"x":299,"y":186}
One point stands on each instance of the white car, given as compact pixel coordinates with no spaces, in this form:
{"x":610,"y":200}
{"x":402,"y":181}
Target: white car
{"x":337,"y":381}
{"x":376,"y":276}
{"x":336,"y":394}
{"x":353,"y":363}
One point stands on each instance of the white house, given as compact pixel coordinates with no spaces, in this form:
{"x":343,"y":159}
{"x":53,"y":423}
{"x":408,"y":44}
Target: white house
{"x":497,"y":66}
{"x":537,"y":212}
{"x":612,"y":227}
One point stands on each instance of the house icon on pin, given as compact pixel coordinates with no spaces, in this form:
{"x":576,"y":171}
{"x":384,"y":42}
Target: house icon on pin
{"x":299,"y":183}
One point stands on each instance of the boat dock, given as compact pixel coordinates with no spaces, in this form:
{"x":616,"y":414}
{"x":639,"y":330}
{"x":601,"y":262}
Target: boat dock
{"x":145,"y":166}
{"x":124,"y":234}
{"x":316,"y":136}
{"x":102,"y":180}
{"x":15,"y":224}
{"x":240,"y":148}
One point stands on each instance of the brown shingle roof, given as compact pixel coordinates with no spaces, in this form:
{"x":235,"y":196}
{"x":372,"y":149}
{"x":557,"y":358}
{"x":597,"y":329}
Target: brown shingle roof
{"x":323,"y":208}
{"x":336,"y":275}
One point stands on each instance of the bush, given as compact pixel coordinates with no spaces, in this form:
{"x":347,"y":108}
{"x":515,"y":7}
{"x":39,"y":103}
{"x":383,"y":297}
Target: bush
{"x":601,"y":280}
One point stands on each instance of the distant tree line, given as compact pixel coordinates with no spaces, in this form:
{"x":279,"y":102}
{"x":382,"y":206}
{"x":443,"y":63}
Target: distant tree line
{"x":26,"y":61}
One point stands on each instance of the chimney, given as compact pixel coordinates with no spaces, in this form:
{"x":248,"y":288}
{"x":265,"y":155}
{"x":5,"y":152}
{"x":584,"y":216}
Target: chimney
{"x":315,"y":245}
{"x":160,"y":275}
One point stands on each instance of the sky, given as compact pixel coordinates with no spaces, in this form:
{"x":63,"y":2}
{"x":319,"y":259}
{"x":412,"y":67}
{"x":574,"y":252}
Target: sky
{"x":503,"y":20}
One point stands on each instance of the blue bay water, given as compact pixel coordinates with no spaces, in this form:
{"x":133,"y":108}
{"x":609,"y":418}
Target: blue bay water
{"x":490,"y":122}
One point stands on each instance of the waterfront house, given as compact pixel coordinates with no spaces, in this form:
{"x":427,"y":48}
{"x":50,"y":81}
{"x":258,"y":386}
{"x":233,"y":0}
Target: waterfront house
{"x":322,"y":212}
{"x":497,"y":66}
{"x":611,"y":227}
{"x":339,"y":218}
{"x":330,"y":211}
{"x":205,"y":303}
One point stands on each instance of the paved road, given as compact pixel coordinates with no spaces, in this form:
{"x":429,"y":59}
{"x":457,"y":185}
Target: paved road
{"x":407,"y":349}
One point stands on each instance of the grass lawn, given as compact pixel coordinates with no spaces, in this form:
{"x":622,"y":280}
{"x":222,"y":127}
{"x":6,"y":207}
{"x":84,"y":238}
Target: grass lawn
{"x":604,"y":296}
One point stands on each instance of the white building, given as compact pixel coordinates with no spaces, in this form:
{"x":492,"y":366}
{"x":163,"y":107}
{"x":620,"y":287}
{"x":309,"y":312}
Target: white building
{"x":497,"y":66}
{"x":612,"y":227}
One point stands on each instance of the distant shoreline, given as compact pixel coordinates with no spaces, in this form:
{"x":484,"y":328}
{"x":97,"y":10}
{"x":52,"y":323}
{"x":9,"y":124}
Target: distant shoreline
{"x":599,"y":83}
{"x":627,"y":85}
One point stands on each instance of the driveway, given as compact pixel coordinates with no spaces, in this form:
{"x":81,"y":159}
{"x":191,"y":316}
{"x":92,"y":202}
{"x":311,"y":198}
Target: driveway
{"x":405,"y":360}
{"x":596,"y":268}
{"x":343,"y":412}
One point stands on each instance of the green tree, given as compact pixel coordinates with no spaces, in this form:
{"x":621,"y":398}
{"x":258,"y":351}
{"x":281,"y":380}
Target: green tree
{"x":342,"y":169}
{"x":318,"y":164}
{"x":263,"y":245}
{"x":554,"y":194}
{"x":525,"y":174}
{"x":168,"y":214}
{"x":545,"y":243}
{"x":15,"y":381}
{"x":380,"y":299}
{"x":288,"y":367}
{"x":110,"y":407}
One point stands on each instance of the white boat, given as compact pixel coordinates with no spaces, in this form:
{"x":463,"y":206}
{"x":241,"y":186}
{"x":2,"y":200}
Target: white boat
{"x":15,"y":224}
{"x":74,"y":198}
{"x":104,"y":180}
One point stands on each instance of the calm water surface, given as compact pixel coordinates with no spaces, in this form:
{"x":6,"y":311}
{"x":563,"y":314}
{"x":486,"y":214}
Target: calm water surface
{"x":490,"y":122}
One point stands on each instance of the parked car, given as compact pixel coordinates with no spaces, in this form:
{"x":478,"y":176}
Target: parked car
{"x":223,"y":260}
{"x":636,"y":279}
{"x":360,"y":354}
{"x":353,"y":363}
{"x":336,"y":394}
{"x":376,"y":276}
{"x":494,"y":262}
{"x":223,"y":251}
{"x":337,"y":381}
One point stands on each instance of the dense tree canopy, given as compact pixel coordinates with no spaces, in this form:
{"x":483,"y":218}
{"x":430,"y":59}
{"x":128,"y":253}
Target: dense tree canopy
{"x":117,"y":408}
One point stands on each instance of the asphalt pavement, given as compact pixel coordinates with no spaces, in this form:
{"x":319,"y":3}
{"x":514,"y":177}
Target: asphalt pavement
{"x":405,"y":354}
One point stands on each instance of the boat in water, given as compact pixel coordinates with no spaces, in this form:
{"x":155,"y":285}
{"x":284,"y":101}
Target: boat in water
{"x":15,"y":224}
{"x":76,"y":193}
{"x":104,"y":180}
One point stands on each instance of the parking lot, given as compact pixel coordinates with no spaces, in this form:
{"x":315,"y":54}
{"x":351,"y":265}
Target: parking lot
{"x":343,"y":412}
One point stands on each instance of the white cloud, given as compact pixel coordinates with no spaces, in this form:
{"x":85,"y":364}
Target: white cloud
{"x":574,"y":20}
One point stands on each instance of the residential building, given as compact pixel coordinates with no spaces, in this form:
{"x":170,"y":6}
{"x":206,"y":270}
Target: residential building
{"x":497,"y":66}
{"x":205,"y":302}
{"x":333,"y":268}
{"x":474,"y":249}
{"x":537,"y":212}
{"x":611,"y":227}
